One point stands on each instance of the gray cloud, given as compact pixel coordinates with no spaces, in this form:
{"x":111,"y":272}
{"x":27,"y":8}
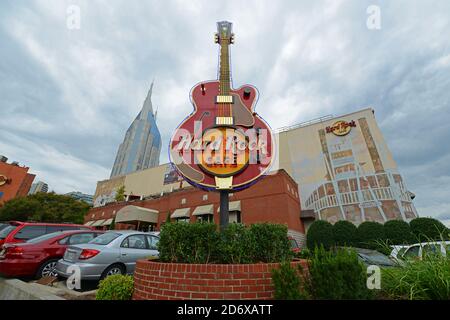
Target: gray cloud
{"x":69,"y":95}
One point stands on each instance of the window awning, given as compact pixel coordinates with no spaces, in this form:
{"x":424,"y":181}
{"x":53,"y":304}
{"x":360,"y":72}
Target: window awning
{"x":201,"y":210}
{"x":97,"y":223}
{"x":107,"y":222}
{"x":233,"y":206}
{"x":89,"y":223}
{"x":180,"y":213}
{"x":134,"y":214}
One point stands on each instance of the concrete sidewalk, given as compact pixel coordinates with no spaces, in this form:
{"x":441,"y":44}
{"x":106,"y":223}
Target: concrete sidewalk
{"x":14,"y":289}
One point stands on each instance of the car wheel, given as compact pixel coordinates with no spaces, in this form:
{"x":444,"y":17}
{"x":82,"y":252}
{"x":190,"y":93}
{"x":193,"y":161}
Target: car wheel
{"x":48,"y":269}
{"x":112,"y":270}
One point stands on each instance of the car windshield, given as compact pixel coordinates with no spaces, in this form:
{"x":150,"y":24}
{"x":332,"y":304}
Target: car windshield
{"x":3,"y":226}
{"x":44,"y":237}
{"x":105,"y":238}
{"x":4,"y":233}
{"x":376,"y":258}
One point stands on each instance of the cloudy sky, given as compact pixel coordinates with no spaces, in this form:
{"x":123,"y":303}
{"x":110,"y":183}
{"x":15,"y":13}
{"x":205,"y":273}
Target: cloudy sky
{"x":68,"y":95}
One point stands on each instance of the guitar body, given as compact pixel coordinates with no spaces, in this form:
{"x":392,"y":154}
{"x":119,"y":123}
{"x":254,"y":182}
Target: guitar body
{"x":240,"y":120}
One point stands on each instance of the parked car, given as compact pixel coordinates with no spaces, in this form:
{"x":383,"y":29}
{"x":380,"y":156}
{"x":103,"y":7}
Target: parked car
{"x":372,"y":257}
{"x":3,"y":226}
{"x":397,"y":251}
{"x":114,"y":252}
{"x":17,"y":232}
{"x":38,"y":257}
{"x":416,"y":251}
{"x":294,"y":245}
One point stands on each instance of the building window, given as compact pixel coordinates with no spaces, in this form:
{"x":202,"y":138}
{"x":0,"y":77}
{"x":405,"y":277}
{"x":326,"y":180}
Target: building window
{"x":114,"y":213}
{"x":205,"y":197}
{"x":234,"y":217}
{"x":205,"y":218}
{"x":231,"y":194}
{"x":288,"y":187}
{"x":103,"y":213}
{"x":93,"y":216}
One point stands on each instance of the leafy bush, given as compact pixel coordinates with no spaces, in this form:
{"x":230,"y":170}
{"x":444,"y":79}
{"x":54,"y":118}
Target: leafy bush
{"x":202,"y":243}
{"x":398,"y":232}
{"x":428,"y":278}
{"x":320,"y":233}
{"x":287,"y":283}
{"x":345,"y":233}
{"x":271,"y":243}
{"x":115,"y":287}
{"x":371,"y":235}
{"x":337,"y":275}
{"x":188,"y":242}
{"x":237,"y":245}
{"x":426,"y":229}
{"x":304,"y":253}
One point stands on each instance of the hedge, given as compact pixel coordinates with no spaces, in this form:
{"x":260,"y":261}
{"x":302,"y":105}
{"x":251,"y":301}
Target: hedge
{"x":182,"y":242}
{"x":425,"y":229}
{"x":345,"y":233}
{"x":371,"y":235}
{"x":398,"y":232}
{"x":320,"y":233}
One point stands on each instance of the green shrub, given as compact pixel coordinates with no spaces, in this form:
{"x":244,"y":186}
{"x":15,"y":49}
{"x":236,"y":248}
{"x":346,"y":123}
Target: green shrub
{"x":371,"y":235}
{"x":304,"y":253}
{"x":398,"y":232}
{"x":425,"y":229}
{"x":237,"y":245}
{"x":271,"y":243}
{"x":337,"y":275}
{"x":287,"y":283}
{"x":320,"y":233}
{"x":202,"y":243}
{"x":345,"y":233}
{"x":428,"y":278}
{"x":188,"y":242}
{"x":115,"y":287}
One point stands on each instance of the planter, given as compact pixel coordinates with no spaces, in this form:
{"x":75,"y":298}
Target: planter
{"x":179,"y":281}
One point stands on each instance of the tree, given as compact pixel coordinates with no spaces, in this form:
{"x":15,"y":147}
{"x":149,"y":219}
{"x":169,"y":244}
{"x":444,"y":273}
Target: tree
{"x":320,"y":233}
{"x":120,"y":194}
{"x":45,"y":207}
{"x":371,"y":235}
{"x":398,"y":232}
{"x":112,"y":226}
{"x":425,"y":229}
{"x":345,"y":233}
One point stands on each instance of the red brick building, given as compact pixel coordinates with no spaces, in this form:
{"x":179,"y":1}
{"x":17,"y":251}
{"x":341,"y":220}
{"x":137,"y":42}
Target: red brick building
{"x":15,"y":181}
{"x":273,"y":199}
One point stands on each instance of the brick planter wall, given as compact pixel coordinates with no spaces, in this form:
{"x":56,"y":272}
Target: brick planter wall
{"x":176,"y":281}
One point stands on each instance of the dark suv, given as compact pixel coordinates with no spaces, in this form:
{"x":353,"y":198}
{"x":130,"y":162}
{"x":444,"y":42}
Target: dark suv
{"x":17,"y":231}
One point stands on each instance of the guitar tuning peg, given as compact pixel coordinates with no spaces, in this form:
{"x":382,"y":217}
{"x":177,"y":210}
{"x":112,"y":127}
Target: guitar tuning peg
{"x":216,"y":38}
{"x":232,"y":38}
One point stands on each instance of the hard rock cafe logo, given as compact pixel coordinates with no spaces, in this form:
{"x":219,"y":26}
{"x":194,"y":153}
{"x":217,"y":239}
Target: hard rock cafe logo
{"x":3,"y":180}
{"x":341,"y":128}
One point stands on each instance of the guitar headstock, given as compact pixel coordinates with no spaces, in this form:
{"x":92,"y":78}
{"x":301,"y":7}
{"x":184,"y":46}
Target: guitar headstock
{"x":224,"y":32}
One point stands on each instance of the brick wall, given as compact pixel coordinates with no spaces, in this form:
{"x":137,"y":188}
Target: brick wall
{"x":173,"y":281}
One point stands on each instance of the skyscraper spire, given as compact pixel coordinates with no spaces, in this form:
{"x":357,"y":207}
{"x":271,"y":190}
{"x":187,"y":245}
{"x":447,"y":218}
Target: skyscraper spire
{"x":141,"y":146}
{"x":148,"y":106}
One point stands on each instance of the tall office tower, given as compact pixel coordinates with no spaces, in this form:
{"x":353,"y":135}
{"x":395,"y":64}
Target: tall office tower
{"x":141,"y":146}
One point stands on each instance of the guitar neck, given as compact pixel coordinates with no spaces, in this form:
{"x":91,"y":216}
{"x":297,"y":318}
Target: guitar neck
{"x":224,"y":72}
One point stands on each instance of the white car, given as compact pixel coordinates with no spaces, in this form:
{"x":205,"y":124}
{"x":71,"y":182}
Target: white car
{"x":417,"y":250}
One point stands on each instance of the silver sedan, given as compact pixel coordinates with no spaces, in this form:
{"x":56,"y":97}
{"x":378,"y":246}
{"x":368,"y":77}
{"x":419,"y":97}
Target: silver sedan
{"x":114,"y":252}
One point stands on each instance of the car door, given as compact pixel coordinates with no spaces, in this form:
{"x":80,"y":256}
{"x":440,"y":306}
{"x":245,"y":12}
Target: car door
{"x":134,"y":247}
{"x":153,"y":245}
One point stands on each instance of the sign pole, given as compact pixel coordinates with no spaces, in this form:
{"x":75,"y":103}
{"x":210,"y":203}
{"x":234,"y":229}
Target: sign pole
{"x":224,"y":208}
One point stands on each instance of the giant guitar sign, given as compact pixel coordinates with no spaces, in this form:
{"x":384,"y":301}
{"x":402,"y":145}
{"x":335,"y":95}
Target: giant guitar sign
{"x":223,"y":144}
